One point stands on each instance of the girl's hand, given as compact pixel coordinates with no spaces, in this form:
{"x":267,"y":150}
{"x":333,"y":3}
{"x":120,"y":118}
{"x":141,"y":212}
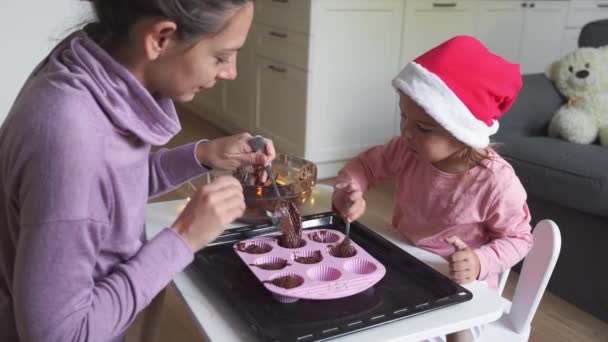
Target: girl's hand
{"x":464,"y":263}
{"x":348,"y":201}
{"x":209,"y":211}
{"x":232,"y":152}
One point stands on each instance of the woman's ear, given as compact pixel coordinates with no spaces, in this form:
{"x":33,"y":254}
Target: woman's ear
{"x":158,"y":38}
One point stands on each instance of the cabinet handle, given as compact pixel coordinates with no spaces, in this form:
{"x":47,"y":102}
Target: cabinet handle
{"x":602,"y":5}
{"x":524,"y":4}
{"x":281,"y":1}
{"x":444,"y":4}
{"x":532,"y":5}
{"x":276,"y":68}
{"x":277,"y":34}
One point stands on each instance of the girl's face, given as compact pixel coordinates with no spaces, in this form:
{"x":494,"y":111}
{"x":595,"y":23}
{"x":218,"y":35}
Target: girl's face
{"x":429,"y":140}
{"x":183,"y":69}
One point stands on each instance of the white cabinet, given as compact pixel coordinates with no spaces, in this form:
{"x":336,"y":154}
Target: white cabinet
{"x":280,"y":111}
{"x":542,"y":34}
{"x":524,"y":32}
{"x":501,"y":24}
{"x":316,"y":79}
{"x":355,"y":49}
{"x":315,"y":75}
{"x":428,"y":23}
{"x":581,"y":12}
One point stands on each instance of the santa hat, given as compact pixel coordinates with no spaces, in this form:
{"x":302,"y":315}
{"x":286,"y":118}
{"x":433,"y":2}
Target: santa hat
{"x":463,"y":86}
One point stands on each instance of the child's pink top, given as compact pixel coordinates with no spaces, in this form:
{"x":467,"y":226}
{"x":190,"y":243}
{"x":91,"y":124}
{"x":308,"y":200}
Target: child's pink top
{"x":485,"y":207}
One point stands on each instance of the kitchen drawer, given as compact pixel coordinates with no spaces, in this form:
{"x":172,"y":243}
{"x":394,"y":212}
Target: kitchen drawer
{"x":441,"y":5}
{"x":582,"y":12}
{"x":284,"y":46}
{"x":293,"y":15}
{"x":281,"y":104}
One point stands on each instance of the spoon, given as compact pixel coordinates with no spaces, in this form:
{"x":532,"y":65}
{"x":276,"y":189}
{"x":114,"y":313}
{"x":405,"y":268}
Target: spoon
{"x":259,"y":145}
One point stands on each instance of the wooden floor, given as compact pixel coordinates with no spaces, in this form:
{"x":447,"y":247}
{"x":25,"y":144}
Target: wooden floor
{"x":555,"y":321}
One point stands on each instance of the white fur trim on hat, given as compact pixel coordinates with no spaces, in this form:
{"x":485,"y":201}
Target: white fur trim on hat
{"x":440,"y":102}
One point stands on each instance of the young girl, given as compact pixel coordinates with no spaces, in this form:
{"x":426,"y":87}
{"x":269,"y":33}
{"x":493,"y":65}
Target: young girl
{"x":76,"y":170}
{"x":455,"y":195}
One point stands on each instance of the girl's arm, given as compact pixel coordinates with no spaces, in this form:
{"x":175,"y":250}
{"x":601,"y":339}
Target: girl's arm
{"x":509,"y":229}
{"x":374,"y":165}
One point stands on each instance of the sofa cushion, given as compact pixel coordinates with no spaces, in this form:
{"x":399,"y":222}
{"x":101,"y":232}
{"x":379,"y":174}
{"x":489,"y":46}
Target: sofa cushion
{"x":567,"y":174}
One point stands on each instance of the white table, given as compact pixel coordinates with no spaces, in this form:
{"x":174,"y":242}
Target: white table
{"x":220,"y":323}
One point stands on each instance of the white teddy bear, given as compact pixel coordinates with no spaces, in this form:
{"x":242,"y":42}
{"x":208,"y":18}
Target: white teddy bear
{"x":582,"y":77}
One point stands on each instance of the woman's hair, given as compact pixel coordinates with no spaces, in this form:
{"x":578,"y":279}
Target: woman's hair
{"x":194,"y":18}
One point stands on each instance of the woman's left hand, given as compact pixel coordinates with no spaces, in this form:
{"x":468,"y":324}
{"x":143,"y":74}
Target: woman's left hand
{"x":229,"y":153}
{"x":464,"y":262}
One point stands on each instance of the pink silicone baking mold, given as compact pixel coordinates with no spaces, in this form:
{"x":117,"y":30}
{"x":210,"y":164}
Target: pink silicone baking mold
{"x":331,"y":277}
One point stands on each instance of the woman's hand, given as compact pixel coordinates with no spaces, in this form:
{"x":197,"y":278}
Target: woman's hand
{"x":209,"y":211}
{"x":348,"y":201}
{"x":232,"y":152}
{"x":464,"y":262}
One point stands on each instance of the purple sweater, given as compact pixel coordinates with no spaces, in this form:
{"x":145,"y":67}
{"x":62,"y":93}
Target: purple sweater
{"x":76,"y":173}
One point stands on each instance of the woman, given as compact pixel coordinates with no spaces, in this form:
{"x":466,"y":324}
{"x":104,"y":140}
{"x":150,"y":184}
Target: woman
{"x":76,"y":169}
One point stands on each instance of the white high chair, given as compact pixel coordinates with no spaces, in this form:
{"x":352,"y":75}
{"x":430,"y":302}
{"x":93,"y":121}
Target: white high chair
{"x":538,"y":266}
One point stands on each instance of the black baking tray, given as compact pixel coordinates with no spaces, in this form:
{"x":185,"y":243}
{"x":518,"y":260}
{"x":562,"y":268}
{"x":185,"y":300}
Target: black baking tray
{"x":410,"y":287}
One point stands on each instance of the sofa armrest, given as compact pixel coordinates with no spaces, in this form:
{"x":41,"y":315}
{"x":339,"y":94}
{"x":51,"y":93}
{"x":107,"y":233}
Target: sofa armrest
{"x":533,"y":109}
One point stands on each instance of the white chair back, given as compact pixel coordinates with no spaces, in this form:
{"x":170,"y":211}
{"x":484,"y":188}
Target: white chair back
{"x":535,"y":273}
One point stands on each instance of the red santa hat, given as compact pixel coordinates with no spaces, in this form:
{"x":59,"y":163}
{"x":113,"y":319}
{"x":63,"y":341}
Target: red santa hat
{"x":463,"y":86}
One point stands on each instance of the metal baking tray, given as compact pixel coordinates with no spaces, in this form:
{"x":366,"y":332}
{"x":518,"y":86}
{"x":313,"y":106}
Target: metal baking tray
{"x":409,"y":288}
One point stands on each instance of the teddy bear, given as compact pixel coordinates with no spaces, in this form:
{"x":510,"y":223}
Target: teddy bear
{"x":582,"y":78}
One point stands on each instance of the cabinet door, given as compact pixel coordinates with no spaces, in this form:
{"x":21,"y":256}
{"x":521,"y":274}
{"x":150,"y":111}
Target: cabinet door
{"x":500,"y":27}
{"x":238,"y":96}
{"x":569,"y":41}
{"x":584,"y":11}
{"x":281,"y":104}
{"x":542,"y":35}
{"x":429,"y":23}
{"x":354,"y":57}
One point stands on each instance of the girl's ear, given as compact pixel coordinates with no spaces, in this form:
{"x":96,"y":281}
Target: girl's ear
{"x":158,"y":38}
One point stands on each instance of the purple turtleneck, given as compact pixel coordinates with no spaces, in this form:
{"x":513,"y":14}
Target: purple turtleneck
{"x":76,"y":173}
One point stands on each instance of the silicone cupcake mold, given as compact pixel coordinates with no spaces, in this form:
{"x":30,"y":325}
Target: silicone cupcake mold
{"x":310,"y":271}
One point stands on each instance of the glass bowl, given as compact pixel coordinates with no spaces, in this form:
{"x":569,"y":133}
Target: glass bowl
{"x":295,"y":177}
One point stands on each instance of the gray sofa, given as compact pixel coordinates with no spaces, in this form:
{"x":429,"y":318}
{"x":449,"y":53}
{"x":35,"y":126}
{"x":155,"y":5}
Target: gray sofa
{"x":567,"y":183}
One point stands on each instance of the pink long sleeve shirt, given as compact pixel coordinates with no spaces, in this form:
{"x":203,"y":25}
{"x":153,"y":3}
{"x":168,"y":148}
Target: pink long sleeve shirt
{"x":485,"y":207}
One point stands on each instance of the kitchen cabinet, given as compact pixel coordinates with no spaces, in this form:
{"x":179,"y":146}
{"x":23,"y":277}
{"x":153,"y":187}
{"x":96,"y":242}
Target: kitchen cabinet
{"x":581,"y":12}
{"x":428,"y":23}
{"x":315,"y":75}
{"x":542,"y":34}
{"x":501,"y":25}
{"x":316,"y":78}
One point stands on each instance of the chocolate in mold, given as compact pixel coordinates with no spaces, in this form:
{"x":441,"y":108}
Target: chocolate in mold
{"x":273,"y":266}
{"x":290,"y":225}
{"x":324,"y":236}
{"x":252,"y":248}
{"x":343,"y":250}
{"x":308,"y":258}
{"x":289,"y":281}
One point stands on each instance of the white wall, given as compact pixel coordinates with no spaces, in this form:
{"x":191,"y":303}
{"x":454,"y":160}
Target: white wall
{"x":30,"y":28}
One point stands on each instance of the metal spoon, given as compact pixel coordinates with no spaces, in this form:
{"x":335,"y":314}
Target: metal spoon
{"x":347,"y":230}
{"x":259,"y":145}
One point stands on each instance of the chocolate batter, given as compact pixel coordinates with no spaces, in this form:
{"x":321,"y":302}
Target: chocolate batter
{"x":286,"y":282}
{"x":313,"y":259}
{"x":290,"y":225}
{"x":253,"y":249}
{"x":343,"y":250}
